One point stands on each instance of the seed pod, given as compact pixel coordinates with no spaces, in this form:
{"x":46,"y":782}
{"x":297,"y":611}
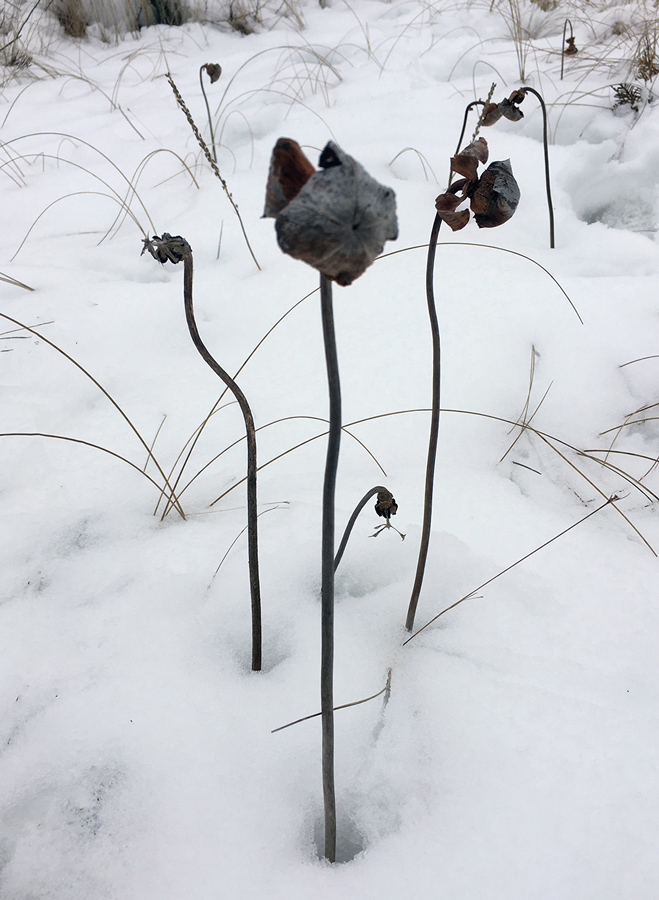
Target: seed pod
{"x":289,"y":171}
{"x":491,"y":114}
{"x":339,"y":221}
{"x":213,"y":70}
{"x":496,"y":195}
{"x":386,"y":505}
{"x":510,"y":111}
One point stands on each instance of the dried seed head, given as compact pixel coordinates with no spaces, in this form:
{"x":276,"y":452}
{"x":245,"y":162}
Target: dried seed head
{"x":167,"y":248}
{"x":213,"y":70}
{"x":339,"y":221}
{"x":386,"y":506}
{"x":496,"y":196}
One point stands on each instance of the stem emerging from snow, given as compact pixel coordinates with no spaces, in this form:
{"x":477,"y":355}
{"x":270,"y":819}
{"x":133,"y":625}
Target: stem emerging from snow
{"x":327,"y":570}
{"x":434,"y":425}
{"x":176,"y":249}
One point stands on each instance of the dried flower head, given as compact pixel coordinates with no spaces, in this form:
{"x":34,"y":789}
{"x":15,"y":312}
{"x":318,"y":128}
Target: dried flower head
{"x":340,"y":217}
{"x":213,"y":70}
{"x":493,"y":197}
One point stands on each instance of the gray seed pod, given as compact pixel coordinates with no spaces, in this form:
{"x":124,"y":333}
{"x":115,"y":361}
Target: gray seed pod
{"x":496,"y":196}
{"x":339,"y":221}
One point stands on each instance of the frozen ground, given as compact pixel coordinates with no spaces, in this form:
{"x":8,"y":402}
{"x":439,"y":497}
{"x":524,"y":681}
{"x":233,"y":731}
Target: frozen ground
{"x":516,"y":758}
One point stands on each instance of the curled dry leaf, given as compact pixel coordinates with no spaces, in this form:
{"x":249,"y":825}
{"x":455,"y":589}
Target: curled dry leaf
{"x":508,"y":108}
{"x":466,"y":162}
{"x":338,"y":221}
{"x":289,"y":172}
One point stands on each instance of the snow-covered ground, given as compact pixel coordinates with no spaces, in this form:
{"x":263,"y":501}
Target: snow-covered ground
{"x":516,"y":756}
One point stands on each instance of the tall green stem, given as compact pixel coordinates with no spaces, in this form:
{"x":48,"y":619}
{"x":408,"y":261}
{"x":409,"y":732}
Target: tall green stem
{"x":327,"y":568}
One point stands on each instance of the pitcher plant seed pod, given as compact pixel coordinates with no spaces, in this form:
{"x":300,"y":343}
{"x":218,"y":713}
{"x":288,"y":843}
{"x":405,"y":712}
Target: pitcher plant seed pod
{"x":339,"y":219}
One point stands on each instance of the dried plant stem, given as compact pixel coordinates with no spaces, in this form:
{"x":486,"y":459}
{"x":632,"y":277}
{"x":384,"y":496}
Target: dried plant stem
{"x":434,"y":425}
{"x":252,"y":515}
{"x":545,"y":143}
{"x":471,"y":594}
{"x":327,"y":568}
{"x":384,"y":690}
{"x":208,"y":113}
{"x":351,"y":522}
{"x":105,"y":393}
{"x":177,"y":249}
{"x":211,"y":161}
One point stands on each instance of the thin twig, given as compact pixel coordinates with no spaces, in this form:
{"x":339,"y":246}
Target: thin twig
{"x":342,"y":706}
{"x":611,"y":499}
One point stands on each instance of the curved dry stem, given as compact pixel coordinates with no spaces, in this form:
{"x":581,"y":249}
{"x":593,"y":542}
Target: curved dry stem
{"x":176,"y":249}
{"x":197,"y":434}
{"x":351,"y":523}
{"x":610,"y":500}
{"x":490,"y":247}
{"x":109,"y":397}
{"x":63,"y":437}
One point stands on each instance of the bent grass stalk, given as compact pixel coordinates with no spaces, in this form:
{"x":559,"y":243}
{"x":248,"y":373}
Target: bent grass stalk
{"x":50,"y":343}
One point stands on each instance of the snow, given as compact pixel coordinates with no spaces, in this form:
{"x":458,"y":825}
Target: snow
{"x":516,"y":754}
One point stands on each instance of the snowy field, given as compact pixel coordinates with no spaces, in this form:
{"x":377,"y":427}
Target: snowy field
{"x":516,"y":755}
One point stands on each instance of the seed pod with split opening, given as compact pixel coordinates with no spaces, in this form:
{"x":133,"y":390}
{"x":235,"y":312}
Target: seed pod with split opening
{"x":496,"y":195}
{"x":340,"y":219}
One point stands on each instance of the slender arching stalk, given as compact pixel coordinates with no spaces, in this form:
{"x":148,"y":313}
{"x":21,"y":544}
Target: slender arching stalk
{"x":434,"y":425}
{"x":545,"y":141}
{"x":567,"y":22}
{"x":176,"y":249}
{"x":208,"y":111}
{"x":252,"y":515}
{"x":468,"y":109}
{"x":327,"y":568}
{"x":351,"y":522}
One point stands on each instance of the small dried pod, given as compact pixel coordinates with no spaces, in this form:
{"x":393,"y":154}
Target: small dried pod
{"x":466,"y":162}
{"x":168,"y":248}
{"x":289,"y":172}
{"x":496,"y":196}
{"x":339,"y":221}
{"x":491,"y":114}
{"x":213,"y":70}
{"x":510,"y":111}
{"x":571,"y":49}
{"x":386,"y":506}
